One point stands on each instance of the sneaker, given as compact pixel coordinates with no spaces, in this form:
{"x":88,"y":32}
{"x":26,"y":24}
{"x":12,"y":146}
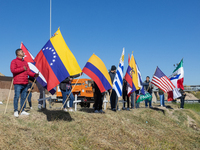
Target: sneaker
{"x":96,"y":111}
{"x":16,"y":114}
{"x":101,"y":111}
{"x":24,"y":113}
{"x":114,"y":109}
{"x":161,"y":105}
{"x":119,"y":109}
{"x":31,"y":108}
{"x":1,"y":103}
{"x":71,"y":110}
{"x":123,"y":108}
{"x":128,"y":109}
{"x":65,"y":109}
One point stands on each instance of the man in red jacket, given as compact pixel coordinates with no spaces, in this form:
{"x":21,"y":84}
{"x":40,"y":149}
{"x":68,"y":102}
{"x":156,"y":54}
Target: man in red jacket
{"x":21,"y":71}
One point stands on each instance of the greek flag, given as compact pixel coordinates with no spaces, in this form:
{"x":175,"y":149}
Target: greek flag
{"x":118,"y":81}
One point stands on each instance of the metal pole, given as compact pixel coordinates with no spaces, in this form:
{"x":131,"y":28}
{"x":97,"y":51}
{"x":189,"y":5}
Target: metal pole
{"x":50,"y":18}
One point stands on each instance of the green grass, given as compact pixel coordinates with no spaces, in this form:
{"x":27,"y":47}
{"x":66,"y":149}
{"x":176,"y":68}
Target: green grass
{"x":195,"y":107}
{"x":141,"y":128}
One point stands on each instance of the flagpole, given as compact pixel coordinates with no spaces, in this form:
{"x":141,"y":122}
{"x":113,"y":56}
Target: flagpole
{"x":27,"y":96}
{"x":50,"y":18}
{"x":71,"y":92}
{"x":8,"y":96}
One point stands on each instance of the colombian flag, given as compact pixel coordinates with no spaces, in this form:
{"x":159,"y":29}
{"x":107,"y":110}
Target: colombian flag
{"x":56,"y":62}
{"x":97,"y":71}
{"x":131,"y":75}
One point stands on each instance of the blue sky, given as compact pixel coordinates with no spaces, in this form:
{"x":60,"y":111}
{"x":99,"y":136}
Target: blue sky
{"x":160,"y":32}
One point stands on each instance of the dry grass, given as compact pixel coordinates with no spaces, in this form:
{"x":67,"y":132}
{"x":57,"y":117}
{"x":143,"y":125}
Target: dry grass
{"x":143,"y":128}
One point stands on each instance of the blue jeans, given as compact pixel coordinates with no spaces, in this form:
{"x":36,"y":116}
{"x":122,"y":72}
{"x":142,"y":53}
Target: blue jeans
{"x":162,"y":101}
{"x":64,"y":94}
{"x":147,"y":101}
{"x":132,"y":100}
{"x":20,"y":89}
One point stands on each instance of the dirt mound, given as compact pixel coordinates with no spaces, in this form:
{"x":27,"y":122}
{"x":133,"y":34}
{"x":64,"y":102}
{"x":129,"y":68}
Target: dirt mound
{"x":190,"y":96}
{"x":1,"y":74}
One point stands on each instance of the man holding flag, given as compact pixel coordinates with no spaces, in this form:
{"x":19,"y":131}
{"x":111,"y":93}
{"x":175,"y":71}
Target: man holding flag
{"x":21,"y":71}
{"x":148,"y":87}
{"x":118,"y":80}
{"x":113,"y":96}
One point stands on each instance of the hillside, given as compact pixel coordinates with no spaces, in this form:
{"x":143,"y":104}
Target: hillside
{"x":143,"y":128}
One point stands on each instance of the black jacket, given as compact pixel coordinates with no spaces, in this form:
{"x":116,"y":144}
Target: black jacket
{"x":63,"y":84}
{"x":147,"y":87}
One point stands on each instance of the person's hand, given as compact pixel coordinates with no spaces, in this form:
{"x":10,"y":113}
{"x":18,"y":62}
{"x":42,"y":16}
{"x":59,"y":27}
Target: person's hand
{"x":24,"y":68}
{"x":29,"y":89}
{"x":70,"y":79}
{"x":36,"y":75}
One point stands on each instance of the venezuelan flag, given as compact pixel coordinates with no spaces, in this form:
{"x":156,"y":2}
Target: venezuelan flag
{"x":97,"y":71}
{"x":131,"y":75}
{"x":56,"y":62}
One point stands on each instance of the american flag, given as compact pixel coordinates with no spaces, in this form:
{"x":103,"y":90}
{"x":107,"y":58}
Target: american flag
{"x":162,"y":81}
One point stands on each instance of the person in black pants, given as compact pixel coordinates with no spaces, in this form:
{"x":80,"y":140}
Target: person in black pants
{"x":113,"y":96}
{"x":98,"y":100}
{"x":125,"y":95}
{"x":182,"y":98}
{"x":30,"y":88}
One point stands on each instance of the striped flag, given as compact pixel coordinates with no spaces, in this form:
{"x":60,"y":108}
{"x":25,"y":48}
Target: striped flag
{"x":31,"y":63}
{"x":118,"y":80}
{"x":97,"y":71}
{"x":129,"y":88}
{"x":56,"y":62}
{"x":163,"y":82}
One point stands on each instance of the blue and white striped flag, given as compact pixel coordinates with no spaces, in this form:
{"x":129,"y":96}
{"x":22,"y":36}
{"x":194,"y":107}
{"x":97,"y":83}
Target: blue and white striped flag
{"x":118,"y":81}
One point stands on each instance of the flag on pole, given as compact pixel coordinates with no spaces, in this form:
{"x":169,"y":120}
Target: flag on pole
{"x":129,"y":89}
{"x":177,"y":76}
{"x":163,"y":82}
{"x":131,"y":75}
{"x":118,"y":80}
{"x":97,"y":71}
{"x":31,"y":63}
{"x":56,"y":62}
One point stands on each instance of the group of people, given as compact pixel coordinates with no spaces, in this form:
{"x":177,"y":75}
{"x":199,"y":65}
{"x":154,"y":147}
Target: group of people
{"x":23,"y":78}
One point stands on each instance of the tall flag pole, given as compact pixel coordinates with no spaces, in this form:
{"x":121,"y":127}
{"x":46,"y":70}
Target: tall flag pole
{"x":118,"y":80}
{"x":50,"y":18}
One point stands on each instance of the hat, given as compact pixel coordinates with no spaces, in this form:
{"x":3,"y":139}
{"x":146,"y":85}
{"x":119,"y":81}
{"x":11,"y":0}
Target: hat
{"x":113,"y":68}
{"x":31,"y":78}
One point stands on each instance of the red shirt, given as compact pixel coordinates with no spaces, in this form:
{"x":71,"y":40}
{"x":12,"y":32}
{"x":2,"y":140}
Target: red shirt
{"x":20,"y":75}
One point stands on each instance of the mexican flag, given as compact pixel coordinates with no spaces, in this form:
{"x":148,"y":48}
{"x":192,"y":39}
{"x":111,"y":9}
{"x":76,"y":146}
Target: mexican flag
{"x":178,"y":76}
